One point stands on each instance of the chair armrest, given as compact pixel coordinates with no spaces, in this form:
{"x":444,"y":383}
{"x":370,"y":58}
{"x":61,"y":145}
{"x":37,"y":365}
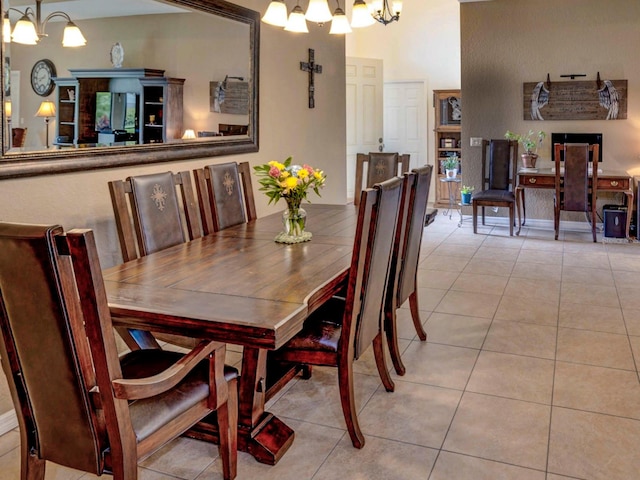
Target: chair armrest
{"x":136,"y":388}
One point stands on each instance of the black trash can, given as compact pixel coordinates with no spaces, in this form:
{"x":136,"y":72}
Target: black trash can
{"x":615,"y":221}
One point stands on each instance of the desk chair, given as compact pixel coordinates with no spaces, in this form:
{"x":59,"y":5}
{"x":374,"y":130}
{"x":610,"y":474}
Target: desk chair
{"x":380,"y":167}
{"x":403,"y":273}
{"x":342,"y":328}
{"x":499,"y":169}
{"x":574,"y":192}
{"x":18,"y":137}
{"x":78,"y":404}
{"x":225,"y":195}
{"x":150,"y":217}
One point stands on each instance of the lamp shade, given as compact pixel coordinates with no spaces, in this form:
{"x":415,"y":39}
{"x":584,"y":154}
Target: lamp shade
{"x":318,"y":11}
{"x":297,"y":21}
{"x":72,"y":36}
{"x":276,"y":14}
{"x":339,"y":24}
{"x":25,"y":32}
{"x":7,"y":109}
{"x":47,"y":109}
{"x":189,"y":134}
{"x":360,"y":15}
{"x":397,"y":7}
{"x":6,"y":29}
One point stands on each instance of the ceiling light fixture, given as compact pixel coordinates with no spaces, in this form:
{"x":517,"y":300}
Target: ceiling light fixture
{"x":318,"y":11}
{"x":30,"y":29}
{"x":385,"y":15}
{"x":297,"y":22}
{"x":276,"y":13}
{"x":360,"y":15}
{"x":339,"y":24}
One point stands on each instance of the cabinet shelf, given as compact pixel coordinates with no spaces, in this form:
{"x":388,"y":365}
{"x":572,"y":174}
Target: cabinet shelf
{"x":447,"y":130}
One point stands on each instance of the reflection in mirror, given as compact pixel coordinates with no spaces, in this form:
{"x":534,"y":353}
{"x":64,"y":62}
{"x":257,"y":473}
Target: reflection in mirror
{"x":186,"y":65}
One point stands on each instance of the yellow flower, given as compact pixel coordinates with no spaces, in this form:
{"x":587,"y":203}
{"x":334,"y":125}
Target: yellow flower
{"x":285,"y":174}
{"x":278,"y":165}
{"x":318,"y":174}
{"x":303,"y":173}
{"x":291,"y":182}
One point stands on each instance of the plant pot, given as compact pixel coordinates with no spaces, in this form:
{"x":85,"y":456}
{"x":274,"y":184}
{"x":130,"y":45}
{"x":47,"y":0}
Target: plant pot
{"x":451,"y":173}
{"x":529,"y":160}
{"x":466,"y":198}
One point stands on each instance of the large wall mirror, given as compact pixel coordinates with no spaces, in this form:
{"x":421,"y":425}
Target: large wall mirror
{"x":156,"y":81}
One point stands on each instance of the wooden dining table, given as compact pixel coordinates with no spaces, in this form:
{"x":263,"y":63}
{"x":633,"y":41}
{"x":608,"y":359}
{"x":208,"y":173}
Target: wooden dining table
{"x":240,"y":287}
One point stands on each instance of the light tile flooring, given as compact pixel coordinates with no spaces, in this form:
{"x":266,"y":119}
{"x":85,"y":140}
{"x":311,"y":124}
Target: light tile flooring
{"x":530,"y":372}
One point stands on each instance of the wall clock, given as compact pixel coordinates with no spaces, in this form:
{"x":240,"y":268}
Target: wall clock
{"x":42,"y":75}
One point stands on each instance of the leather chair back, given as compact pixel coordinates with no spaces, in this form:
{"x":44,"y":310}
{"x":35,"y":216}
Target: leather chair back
{"x":381,"y":166}
{"x":575,"y":195}
{"x":225,"y":195}
{"x":45,"y":367}
{"x":371,"y":260}
{"x":500,"y":171}
{"x":159,"y":217}
{"x":410,"y":235}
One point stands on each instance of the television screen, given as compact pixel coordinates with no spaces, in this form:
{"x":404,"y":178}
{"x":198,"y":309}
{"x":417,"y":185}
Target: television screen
{"x":590,"y":138}
{"x":103,"y":112}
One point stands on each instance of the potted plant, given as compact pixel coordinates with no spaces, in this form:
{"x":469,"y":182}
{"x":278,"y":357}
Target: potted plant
{"x":450,"y":166}
{"x":465,"y":194}
{"x":530,"y":141}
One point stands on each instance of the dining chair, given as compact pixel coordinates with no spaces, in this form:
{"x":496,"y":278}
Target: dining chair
{"x":403,"y":285}
{"x":344,"y":327}
{"x":151,"y":214}
{"x":18,"y":137}
{"x":380,"y":167}
{"x":78,"y":403}
{"x":154,"y":212}
{"x":499,"y":170}
{"x":225,"y":195}
{"x":573,"y":190}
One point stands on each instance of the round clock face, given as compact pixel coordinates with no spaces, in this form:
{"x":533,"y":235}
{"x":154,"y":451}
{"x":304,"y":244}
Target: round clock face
{"x":42,"y":77}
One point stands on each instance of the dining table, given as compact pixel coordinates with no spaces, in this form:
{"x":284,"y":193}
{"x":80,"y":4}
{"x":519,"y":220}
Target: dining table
{"x":240,"y":287}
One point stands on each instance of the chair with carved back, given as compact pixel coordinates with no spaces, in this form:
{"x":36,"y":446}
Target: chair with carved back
{"x":574,"y":192}
{"x":380,"y":167}
{"x":154,"y":212}
{"x":403,"y":273}
{"x":225,"y":195}
{"x":18,"y":137}
{"x":499,"y":171}
{"x":78,"y":403}
{"x":343,"y":328}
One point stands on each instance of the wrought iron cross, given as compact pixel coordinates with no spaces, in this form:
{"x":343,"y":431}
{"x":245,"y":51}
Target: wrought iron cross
{"x":312,"y":68}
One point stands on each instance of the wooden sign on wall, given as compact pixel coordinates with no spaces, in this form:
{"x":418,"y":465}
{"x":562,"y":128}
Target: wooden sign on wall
{"x":575,"y":100}
{"x":229,"y":97}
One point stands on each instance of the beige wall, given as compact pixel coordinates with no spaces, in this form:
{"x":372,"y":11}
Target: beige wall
{"x":507,"y":42}
{"x":287,"y":127}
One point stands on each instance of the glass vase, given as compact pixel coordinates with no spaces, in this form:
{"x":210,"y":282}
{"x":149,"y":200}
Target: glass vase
{"x":294,"y":219}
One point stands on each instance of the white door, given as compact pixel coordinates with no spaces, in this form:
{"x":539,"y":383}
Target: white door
{"x":364,"y":112}
{"x":405,"y":120}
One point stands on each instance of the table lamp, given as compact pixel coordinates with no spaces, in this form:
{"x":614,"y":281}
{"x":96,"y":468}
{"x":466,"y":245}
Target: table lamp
{"x":47,"y":110}
{"x":7,"y":115}
{"x":189,"y":134}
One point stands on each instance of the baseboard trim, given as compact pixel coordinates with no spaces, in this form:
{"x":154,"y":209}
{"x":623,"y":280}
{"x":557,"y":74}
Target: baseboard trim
{"x":8,"y":421}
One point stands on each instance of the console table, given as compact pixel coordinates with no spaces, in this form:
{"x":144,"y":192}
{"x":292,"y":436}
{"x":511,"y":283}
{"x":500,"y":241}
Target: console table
{"x":608,"y":181}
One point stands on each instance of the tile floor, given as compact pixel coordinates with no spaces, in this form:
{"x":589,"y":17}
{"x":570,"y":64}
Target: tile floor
{"x":530,"y":372}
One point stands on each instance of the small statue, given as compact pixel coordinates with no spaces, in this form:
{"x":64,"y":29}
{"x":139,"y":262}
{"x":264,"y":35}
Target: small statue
{"x":456,"y":113}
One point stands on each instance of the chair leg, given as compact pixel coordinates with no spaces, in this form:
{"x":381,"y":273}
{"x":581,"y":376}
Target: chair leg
{"x":391,"y":330}
{"x":512,"y":219}
{"x":228,"y":432}
{"x":556,"y":221}
{"x":378,"y":353}
{"x":593,"y":224}
{"x":483,"y":215}
{"x":475,"y":217}
{"x":345,"y":382}
{"x":415,"y":315}
{"x":307,"y":371}
{"x":33,"y":468}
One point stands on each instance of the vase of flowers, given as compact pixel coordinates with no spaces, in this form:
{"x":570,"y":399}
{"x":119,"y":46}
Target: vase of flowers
{"x":291,"y":182}
{"x":450,"y":166}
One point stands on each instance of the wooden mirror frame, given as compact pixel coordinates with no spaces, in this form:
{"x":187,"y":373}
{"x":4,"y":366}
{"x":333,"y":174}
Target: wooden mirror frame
{"x":25,"y":164}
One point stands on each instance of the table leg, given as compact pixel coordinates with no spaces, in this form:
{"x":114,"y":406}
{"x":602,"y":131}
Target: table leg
{"x":629,"y":195}
{"x":260,"y":433}
{"x":520,"y":204}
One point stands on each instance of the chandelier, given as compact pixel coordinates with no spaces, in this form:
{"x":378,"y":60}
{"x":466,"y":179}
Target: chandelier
{"x":30,"y":29}
{"x":362,"y":15}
